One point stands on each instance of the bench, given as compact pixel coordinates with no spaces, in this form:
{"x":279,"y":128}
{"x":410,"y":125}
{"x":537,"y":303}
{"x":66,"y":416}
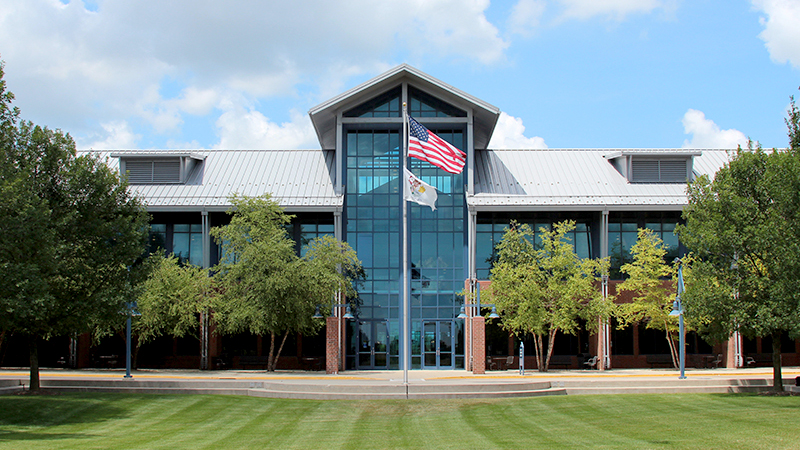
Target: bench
{"x":311,"y":362}
{"x":659,"y":360}
{"x":758,"y":360}
{"x":250,"y":361}
{"x":564,"y":361}
{"x":108,"y":360}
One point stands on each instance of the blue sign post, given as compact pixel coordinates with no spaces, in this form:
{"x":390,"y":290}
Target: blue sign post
{"x":521,"y":358}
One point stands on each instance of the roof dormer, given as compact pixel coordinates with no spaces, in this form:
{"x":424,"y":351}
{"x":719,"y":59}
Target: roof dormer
{"x":158,"y":168}
{"x":654,"y":166}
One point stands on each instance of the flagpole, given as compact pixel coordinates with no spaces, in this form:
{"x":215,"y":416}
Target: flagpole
{"x":406,"y":286}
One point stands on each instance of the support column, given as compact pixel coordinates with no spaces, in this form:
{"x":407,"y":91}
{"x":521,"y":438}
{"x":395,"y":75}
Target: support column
{"x":332,"y":345}
{"x":478,"y":345}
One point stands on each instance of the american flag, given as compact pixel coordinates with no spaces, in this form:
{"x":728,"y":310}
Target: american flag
{"x":424,"y":145}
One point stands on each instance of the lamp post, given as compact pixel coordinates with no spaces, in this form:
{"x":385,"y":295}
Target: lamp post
{"x":677,"y":310}
{"x":131,"y":309}
{"x":604,"y":335}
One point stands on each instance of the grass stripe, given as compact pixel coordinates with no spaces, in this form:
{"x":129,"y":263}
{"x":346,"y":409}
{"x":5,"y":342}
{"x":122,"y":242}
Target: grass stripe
{"x":691,"y":421}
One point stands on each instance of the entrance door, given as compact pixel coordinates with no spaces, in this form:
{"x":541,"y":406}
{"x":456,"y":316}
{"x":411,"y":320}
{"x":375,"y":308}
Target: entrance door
{"x":437,"y":347}
{"x":373,"y":351}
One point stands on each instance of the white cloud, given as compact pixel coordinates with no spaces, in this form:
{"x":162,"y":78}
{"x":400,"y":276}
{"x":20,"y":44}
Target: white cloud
{"x":526,"y":15}
{"x":246,"y":128}
{"x":781,"y":33}
{"x":116,"y":136}
{"x":509,"y":133}
{"x":616,"y":9}
{"x":74,"y":68}
{"x":706,"y":134}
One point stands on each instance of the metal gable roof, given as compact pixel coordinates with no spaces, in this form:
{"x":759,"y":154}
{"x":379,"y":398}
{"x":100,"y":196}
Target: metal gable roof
{"x":576,"y":179}
{"x":323,"y":116}
{"x":300,"y":180}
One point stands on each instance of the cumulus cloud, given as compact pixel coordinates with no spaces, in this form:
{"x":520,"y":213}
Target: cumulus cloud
{"x":525,"y":16}
{"x":616,"y":9}
{"x":781,"y":33}
{"x":706,"y":134}
{"x":75,"y":67}
{"x":246,"y":128}
{"x":116,"y":136}
{"x":509,"y":133}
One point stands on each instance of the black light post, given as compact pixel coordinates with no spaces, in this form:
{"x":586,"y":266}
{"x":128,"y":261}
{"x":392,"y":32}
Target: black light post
{"x":677,"y":310}
{"x":131,"y":310}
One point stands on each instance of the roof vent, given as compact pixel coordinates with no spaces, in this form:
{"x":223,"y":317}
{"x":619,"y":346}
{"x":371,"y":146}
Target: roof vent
{"x":659,"y":170}
{"x":654,"y":166}
{"x":158,"y":169}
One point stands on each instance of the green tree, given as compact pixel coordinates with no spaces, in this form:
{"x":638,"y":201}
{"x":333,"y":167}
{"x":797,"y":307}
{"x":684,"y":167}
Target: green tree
{"x":69,"y":231}
{"x":172,"y":300}
{"x":547,"y":290}
{"x":652,"y":293}
{"x":264,"y":287}
{"x":744,"y":227}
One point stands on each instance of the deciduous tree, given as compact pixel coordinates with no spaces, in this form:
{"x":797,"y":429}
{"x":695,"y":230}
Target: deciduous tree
{"x":172,"y":300}
{"x":649,"y":280}
{"x":745,"y":228}
{"x":545,"y":291}
{"x":69,"y":230}
{"x":264,"y":287}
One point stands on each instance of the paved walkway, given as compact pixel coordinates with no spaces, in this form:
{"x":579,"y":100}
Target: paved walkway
{"x":363,"y":385}
{"x":396,"y":376}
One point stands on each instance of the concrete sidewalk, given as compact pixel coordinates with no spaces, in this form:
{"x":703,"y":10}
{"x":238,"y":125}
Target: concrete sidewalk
{"x":389,"y":384}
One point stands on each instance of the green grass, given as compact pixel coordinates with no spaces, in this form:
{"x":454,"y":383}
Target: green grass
{"x":129,"y":421}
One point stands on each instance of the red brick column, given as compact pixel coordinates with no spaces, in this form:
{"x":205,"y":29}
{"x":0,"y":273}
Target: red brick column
{"x":478,"y":345}
{"x":730,"y":352}
{"x":332,"y":345}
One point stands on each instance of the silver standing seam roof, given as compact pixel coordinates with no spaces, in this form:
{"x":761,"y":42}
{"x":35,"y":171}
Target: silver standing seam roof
{"x":300,"y":180}
{"x":577,"y":179}
{"x":517,"y":180}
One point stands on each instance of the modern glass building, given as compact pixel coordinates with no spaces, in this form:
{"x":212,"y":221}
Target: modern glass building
{"x":364,"y":127}
{"x":350,"y":188}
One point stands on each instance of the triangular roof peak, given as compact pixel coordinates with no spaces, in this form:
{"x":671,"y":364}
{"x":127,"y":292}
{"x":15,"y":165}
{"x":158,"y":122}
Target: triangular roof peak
{"x":323,"y":116}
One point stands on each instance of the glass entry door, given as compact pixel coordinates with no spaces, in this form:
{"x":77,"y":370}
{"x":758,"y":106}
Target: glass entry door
{"x":373,"y":351}
{"x":437,"y":346}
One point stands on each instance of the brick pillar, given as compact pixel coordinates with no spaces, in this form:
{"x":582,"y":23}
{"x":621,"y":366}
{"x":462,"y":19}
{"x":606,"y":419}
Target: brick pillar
{"x":730,"y":352}
{"x":332,"y":345}
{"x":478,"y":345}
{"x":601,"y":348}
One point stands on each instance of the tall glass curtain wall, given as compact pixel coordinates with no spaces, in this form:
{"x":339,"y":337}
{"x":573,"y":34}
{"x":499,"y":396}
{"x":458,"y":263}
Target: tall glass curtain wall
{"x":437,"y":242}
{"x":622,"y":234}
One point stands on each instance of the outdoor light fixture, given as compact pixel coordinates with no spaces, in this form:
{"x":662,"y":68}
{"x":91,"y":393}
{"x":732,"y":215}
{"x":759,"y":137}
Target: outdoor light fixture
{"x":347,"y":314}
{"x":677,"y":310}
{"x":492,"y":315}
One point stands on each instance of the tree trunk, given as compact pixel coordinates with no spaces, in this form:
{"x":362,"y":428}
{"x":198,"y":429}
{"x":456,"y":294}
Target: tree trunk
{"x":2,"y":347}
{"x":34,"y":359}
{"x":551,"y":337}
{"x":673,"y":351}
{"x":135,"y":354}
{"x":777,"y":377}
{"x":271,"y":352}
{"x":541,"y":364}
{"x":278,"y":354}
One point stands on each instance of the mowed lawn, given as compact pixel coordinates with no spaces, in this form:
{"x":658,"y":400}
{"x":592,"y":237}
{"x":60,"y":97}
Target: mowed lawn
{"x":131,"y":421}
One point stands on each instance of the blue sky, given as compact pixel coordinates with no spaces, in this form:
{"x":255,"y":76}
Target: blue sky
{"x":565,"y":73}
